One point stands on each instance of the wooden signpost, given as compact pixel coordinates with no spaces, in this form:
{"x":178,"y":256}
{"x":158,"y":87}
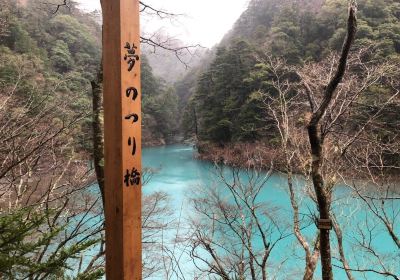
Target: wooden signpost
{"x":122,"y":139}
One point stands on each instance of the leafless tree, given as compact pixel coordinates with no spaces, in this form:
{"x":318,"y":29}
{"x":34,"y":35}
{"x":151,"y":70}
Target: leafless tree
{"x":40,"y":169}
{"x":354,"y":136}
{"x":352,"y":128}
{"x":157,"y":226}
{"x":317,"y":137}
{"x":375,"y":162}
{"x":282,"y":106}
{"x":233,"y":231}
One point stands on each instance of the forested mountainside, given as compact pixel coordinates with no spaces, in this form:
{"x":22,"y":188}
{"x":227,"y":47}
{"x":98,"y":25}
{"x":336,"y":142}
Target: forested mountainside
{"x":46,"y":64}
{"x":48,"y":61}
{"x":231,"y":99}
{"x":159,"y":108}
{"x":56,"y":56}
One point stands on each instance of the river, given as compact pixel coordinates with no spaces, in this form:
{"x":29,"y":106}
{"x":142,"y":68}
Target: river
{"x":178,"y":173}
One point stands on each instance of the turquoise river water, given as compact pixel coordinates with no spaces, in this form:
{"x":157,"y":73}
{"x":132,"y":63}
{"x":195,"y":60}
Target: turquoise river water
{"x":178,"y":172}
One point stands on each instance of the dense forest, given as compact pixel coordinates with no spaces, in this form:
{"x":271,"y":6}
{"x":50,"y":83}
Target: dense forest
{"x":65,"y":49}
{"x":227,"y":104}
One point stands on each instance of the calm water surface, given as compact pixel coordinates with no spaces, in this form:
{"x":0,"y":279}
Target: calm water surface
{"x":177,"y":172}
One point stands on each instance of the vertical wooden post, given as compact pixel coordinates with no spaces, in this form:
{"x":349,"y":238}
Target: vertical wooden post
{"x":122,"y":129}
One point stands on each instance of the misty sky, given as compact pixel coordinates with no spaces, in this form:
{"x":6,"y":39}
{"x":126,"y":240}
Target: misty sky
{"x":205,"y":22}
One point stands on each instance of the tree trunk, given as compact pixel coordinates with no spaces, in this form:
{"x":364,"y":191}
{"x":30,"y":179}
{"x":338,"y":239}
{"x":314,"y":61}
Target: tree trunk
{"x":317,"y":142}
{"x":322,"y":200}
{"x":98,"y":144}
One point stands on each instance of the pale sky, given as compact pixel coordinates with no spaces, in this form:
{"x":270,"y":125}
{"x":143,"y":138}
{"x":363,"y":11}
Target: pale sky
{"x":204,"y":22}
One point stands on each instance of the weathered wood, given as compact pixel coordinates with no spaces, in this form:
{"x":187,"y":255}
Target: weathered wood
{"x":325,"y":224}
{"x":122,"y":134}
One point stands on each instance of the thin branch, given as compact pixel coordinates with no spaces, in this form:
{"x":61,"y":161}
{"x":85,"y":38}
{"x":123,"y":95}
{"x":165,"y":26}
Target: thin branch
{"x":160,"y":13}
{"x":65,"y":3}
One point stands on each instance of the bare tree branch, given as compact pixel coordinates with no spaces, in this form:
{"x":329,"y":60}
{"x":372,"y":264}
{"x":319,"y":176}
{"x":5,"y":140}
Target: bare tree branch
{"x":317,"y":141}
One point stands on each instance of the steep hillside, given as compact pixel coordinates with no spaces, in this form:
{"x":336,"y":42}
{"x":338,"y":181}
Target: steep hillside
{"x":54,"y":58}
{"x":260,"y":15}
{"x":63,"y":51}
{"x":229,"y":101}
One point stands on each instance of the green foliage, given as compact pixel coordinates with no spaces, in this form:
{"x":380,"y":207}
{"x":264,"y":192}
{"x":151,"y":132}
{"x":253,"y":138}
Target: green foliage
{"x":228,"y":108}
{"x":83,"y":47}
{"x":61,"y":57}
{"x":222,"y":90}
{"x":23,"y":236}
{"x":159,"y":106}
{"x":189,"y":120}
{"x":151,"y":85}
{"x":20,"y":40}
{"x":98,"y":274}
{"x":52,"y":57}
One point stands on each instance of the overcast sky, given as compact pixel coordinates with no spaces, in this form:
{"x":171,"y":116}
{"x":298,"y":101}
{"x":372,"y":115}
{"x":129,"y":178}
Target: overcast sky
{"x":205,"y":22}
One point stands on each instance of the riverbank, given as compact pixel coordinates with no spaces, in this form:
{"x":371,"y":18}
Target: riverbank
{"x":245,"y":155}
{"x":258,"y":155}
{"x":151,"y":139}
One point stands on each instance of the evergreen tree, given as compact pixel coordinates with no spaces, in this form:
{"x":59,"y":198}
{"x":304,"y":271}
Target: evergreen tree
{"x":226,"y":100}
